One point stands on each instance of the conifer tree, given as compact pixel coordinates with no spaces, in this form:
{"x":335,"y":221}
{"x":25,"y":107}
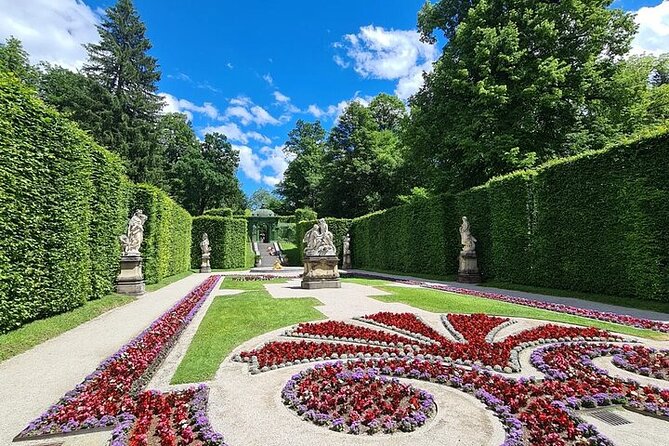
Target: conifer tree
{"x":120,"y":63}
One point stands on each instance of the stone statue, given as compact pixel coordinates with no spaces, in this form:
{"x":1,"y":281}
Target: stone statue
{"x":204,"y":244}
{"x":205,"y":266}
{"x":132,"y":239}
{"x":311,"y":240}
{"x":320,"y":258}
{"x":319,"y":241}
{"x":466,"y":238}
{"x":346,"y":252}
{"x":327,"y":247}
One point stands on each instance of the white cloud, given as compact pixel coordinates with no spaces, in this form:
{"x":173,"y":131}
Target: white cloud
{"x":234,"y":133}
{"x":229,"y":65}
{"x":175,"y":105}
{"x":247,"y":112}
{"x":335,"y":111}
{"x":268,"y":78}
{"x":389,"y":54}
{"x":653,"y":36}
{"x":340,"y":61}
{"x":280,"y":97}
{"x":267,"y":166}
{"x":51,"y":30}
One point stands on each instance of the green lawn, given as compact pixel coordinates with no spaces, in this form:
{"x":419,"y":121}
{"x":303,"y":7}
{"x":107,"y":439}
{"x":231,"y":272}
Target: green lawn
{"x":248,"y":285}
{"x":34,"y":333}
{"x":443,"y":302}
{"x":291,"y":252}
{"x":629,"y":302}
{"x":370,"y":282}
{"x":232,"y":320}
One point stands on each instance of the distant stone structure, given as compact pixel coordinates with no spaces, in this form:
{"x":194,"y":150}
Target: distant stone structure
{"x":130,"y":280}
{"x":468,"y":271}
{"x":320,"y":258}
{"x":346,"y":252}
{"x":205,"y":266}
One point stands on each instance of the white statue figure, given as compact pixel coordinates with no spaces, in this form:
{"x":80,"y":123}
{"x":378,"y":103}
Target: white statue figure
{"x":204,"y":244}
{"x":346,"y":252}
{"x":132,"y":239}
{"x":318,"y":240}
{"x":466,"y":238}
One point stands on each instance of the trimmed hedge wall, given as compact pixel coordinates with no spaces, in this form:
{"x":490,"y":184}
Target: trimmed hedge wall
{"x":166,"y":248}
{"x":338,"y":226}
{"x":305,"y":214}
{"x":64,"y":201}
{"x":219,"y":212}
{"x":597,"y":222}
{"x":228,"y":239}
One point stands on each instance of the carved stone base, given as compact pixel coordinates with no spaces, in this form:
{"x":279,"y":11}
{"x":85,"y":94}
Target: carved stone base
{"x":205,"y":266}
{"x":321,"y":272}
{"x":469,"y":268}
{"x":130,"y":280}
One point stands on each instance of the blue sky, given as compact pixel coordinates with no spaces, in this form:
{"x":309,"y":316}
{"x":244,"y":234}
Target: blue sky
{"x":251,"y":69}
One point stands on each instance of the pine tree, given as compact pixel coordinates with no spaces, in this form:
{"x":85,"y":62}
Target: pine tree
{"x":120,"y":63}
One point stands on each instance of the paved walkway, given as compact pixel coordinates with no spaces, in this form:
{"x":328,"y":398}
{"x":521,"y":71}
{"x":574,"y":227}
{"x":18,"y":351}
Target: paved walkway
{"x":580,"y":303}
{"x":32,"y":381}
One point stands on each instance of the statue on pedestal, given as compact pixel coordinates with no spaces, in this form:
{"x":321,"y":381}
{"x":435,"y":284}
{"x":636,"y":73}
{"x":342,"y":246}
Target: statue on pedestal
{"x":205,"y":266}
{"x":468,"y":272}
{"x":346,"y":252}
{"x":131,"y":241}
{"x":130,"y":280}
{"x":320,"y":258}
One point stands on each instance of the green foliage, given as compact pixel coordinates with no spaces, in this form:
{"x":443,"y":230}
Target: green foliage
{"x":594,"y":223}
{"x":109,"y":208}
{"x":44,"y":213}
{"x":166,"y":245}
{"x":338,"y":226}
{"x":228,"y":239}
{"x":264,"y":199}
{"x":14,"y":59}
{"x":305,"y":214}
{"x":219,"y":212}
{"x":519,"y":82}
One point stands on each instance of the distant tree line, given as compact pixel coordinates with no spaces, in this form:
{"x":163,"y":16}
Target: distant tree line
{"x":519,"y":82}
{"x":114,"y":98}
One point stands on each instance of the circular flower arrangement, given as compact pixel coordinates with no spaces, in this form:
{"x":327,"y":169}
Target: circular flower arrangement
{"x":643,"y":360}
{"x":355,"y":400}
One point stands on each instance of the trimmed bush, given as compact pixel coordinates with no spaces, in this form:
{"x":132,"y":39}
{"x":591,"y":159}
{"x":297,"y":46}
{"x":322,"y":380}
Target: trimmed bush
{"x":305,"y":214}
{"x":167,"y":240}
{"x":219,"y":212}
{"x":228,"y":239}
{"x":338,"y":226}
{"x":596,"y":223}
{"x":45,"y":189}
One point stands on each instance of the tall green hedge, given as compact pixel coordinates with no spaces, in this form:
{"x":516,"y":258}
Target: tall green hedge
{"x":338,"y":226}
{"x":598,"y":222}
{"x":167,"y":233}
{"x":228,"y":240}
{"x":64,"y":201}
{"x":219,"y":212}
{"x":45,"y":188}
{"x":305,"y":214}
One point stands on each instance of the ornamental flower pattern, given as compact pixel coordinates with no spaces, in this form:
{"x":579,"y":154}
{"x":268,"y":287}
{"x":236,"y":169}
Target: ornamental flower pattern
{"x":113,"y":394}
{"x":533,"y":411}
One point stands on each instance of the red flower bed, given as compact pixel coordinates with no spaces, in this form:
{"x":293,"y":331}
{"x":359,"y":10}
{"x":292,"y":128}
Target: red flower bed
{"x":356,"y":400}
{"x":110,"y":394}
{"x":643,"y":360}
{"x":406,"y":322}
{"x":343,"y":330}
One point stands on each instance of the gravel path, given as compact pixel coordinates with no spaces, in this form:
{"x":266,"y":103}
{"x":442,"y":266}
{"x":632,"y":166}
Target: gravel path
{"x":32,"y":381}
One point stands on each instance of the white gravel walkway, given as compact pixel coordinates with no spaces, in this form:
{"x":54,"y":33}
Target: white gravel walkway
{"x":32,"y":381}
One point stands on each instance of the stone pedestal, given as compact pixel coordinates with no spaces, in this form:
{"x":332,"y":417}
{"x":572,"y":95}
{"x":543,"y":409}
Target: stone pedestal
{"x":321,"y":272}
{"x":469,"y":268}
{"x":205,"y":267}
{"x":130,"y":279}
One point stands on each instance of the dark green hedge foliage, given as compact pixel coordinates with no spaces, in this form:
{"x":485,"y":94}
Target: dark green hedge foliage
{"x":305,"y":214}
{"x":219,"y":212}
{"x":64,"y":201}
{"x":228,"y":240}
{"x":338,"y":226}
{"x":596,"y":223}
{"x":167,"y":233}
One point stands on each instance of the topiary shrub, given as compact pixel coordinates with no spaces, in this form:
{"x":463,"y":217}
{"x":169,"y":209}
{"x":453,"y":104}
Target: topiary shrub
{"x":228,"y":239}
{"x":219,"y":212}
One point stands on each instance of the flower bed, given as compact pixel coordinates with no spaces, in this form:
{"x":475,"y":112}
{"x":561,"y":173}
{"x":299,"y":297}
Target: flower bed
{"x":256,"y":277}
{"x":644,"y":361}
{"x":342,"y":331}
{"x":110,"y":396}
{"x":356,"y":400}
{"x":592,"y":314}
